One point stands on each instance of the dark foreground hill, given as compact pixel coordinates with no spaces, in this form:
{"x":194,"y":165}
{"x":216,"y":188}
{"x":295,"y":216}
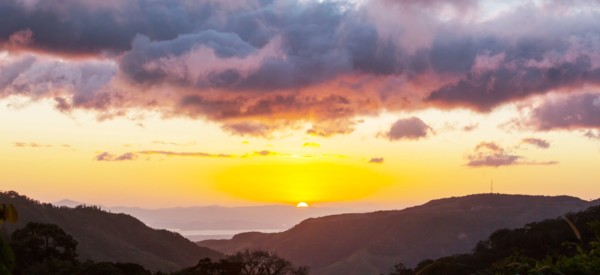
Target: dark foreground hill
{"x":566,"y":245}
{"x":371,"y":243}
{"x":105,"y":236}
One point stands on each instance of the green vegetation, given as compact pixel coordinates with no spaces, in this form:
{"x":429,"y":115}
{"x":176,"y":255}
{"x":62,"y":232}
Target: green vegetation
{"x":568,"y":245}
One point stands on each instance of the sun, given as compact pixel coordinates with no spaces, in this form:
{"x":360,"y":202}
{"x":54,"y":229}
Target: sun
{"x":302,"y":204}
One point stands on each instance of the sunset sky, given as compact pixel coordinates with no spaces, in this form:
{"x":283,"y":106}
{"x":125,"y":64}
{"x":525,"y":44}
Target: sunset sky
{"x":386,"y":103}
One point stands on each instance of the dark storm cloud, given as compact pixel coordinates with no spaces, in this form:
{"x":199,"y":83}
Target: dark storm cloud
{"x":258,"y":66}
{"x":518,"y":71}
{"x":87,"y":82}
{"x":410,"y":128}
{"x":573,"y":112}
{"x":90,"y":27}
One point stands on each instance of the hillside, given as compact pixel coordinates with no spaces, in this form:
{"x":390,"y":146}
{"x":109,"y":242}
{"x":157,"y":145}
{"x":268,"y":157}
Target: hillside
{"x":565,"y":245}
{"x":371,"y":243}
{"x":105,"y":236}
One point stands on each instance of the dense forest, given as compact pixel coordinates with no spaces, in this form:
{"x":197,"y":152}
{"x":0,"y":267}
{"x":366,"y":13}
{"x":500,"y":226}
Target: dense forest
{"x":566,"y":245}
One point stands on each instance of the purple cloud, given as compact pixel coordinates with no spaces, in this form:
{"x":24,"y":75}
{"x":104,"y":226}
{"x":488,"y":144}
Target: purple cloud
{"x":256,"y":68}
{"x":579,"y":111}
{"x":490,"y":154}
{"x":540,"y":143}
{"x":410,"y":128}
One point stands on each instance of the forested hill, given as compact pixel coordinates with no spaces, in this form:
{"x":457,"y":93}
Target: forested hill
{"x":111,"y":237}
{"x":371,"y":243}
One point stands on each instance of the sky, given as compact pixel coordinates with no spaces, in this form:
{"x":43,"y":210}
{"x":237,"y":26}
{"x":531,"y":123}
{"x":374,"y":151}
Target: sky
{"x":380,"y":103}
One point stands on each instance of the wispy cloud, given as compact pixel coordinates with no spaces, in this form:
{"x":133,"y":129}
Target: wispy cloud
{"x":490,"y":154}
{"x":540,"y":143}
{"x":31,"y":144}
{"x":184,"y":154}
{"x":105,"y":156}
{"x":592,"y":134}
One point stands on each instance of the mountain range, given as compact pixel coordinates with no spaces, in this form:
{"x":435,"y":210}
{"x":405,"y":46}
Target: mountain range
{"x":353,"y":243}
{"x":111,"y":237}
{"x":371,"y":243}
{"x":210,"y":222}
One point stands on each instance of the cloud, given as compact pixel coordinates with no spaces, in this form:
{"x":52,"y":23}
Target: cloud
{"x":540,"y":143}
{"x":30,"y":144}
{"x":490,"y":154}
{"x":256,"y":67}
{"x":376,"y":160}
{"x":592,"y":134}
{"x":105,"y":156}
{"x":248,"y":128}
{"x":470,"y":127}
{"x":126,"y":156}
{"x":184,"y":154}
{"x":331,"y":127}
{"x":410,"y":128}
{"x":578,"y":111}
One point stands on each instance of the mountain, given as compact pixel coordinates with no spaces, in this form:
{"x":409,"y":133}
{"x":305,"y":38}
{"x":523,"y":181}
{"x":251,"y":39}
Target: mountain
{"x":67,"y":203}
{"x":371,"y":243}
{"x":566,"y":245}
{"x":206,"y":222}
{"x":111,"y":237}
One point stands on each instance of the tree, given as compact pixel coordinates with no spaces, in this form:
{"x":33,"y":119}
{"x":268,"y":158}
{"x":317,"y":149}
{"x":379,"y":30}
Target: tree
{"x":265,"y":263}
{"x":39,"y":243}
{"x":246,"y":263}
{"x":8,"y":213}
{"x":7,"y":258}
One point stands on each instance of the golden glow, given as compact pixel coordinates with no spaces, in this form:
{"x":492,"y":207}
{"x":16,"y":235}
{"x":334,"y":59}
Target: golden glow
{"x":413,"y":171}
{"x":293,"y":181}
{"x":302,"y":204}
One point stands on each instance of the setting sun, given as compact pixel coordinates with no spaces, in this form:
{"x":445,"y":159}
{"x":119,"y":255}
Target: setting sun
{"x":302,"y":204}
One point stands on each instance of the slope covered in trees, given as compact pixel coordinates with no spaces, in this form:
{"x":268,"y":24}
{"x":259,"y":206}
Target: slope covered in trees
{"x":565,"y":245}
{"x":110,"y":237}
{"x":371,"y":243}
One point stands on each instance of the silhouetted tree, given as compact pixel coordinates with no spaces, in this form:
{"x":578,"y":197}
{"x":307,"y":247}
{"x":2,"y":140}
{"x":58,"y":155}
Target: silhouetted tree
{"x":401,"y":269}
{"x":40,"y":244}
{"x":246,"y":263}
{"x":259,"y":262}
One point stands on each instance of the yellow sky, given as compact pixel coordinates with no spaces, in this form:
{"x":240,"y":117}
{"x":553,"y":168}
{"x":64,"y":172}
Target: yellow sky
{"x":57,"y":160}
